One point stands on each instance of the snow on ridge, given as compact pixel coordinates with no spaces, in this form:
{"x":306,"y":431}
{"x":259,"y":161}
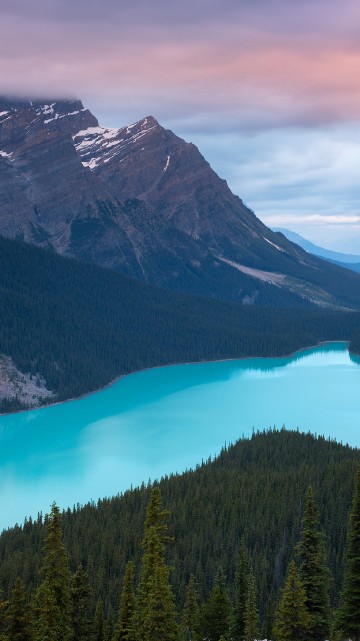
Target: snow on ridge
{"x":105,"y":132}
{"x":98,"y":145}
{"x":167,"y":164}
{"x":4,"y":154}
{"x":141,"y":124}
{"x":58,"y":116}
{"x":45,"y":109}
{"x":3,"y":113}
{"x":273,"y":244}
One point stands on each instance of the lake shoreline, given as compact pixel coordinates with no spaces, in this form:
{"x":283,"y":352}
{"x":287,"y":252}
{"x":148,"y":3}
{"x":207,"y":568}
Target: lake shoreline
{"x":146,"y":369}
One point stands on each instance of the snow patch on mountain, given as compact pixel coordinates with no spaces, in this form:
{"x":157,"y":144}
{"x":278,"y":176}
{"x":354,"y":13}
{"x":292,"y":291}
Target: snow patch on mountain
{"x":45,"y":109}
{"x":273,"y":244}
{"x":58,"y":116}
{"x":99,"y":145}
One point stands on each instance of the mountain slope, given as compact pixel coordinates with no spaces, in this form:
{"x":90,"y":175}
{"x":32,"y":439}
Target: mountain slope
{"x":73,"y":327}
{"x":144,"y":202}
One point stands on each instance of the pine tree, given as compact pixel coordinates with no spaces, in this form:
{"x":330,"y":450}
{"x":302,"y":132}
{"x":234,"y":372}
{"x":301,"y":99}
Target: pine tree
{"x":80,"y":606}
{"x":53,"y":597}
{"x":155,"y":615}
{"x":127,"y":606}
{"x":4,"y":605}
{"x":98,"y":625}
{"x":48,"y":615}
{"x":190,"y":620}
{"x":251,"y":616}
{"x":109,"y":625}
{"x":348,"y":617}
{"x":269,"y":617}
{"x":216,"y":612}
{"x":241,"y":582}
{"x":292,"y":618}
{"x":18,"y":618}
{"x":313,"y":572}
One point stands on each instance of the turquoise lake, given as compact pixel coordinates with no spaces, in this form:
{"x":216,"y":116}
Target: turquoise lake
{"x":166,"y":420}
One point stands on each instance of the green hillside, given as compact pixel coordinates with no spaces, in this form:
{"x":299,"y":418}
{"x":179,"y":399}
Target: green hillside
{"x":254,"y":491}
{"x":81,"y":326}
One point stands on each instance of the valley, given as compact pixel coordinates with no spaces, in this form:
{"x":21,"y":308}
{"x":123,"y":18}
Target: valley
{"x":122,"y":252}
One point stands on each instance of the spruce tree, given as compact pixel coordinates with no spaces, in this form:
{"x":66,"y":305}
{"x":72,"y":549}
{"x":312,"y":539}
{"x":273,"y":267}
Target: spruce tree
{"x":109,"y":625}
{"x":190,"y":620}
{"x":216,"y":612}
{"x":127,"y":606}
{"x":80,"y":606}
{"x":241,"y":583}
{"x":251,"y":615}
{"x":98,"y":625}
{"x":348,"y":617}
{"x":313,"y":572}
{"x":53,"y":597}
{"x":269,"y":617}
{"x":155,"y":615}
{"x":19,"y":624}
{"x":4,"y":605}
{"x":48,"y":615}
{"x":292,"y":618}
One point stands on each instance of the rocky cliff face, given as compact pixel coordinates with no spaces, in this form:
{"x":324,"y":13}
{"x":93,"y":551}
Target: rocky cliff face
{"x":143,"y":201}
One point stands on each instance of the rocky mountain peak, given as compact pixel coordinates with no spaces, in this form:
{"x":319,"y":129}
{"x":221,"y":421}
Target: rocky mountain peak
{"x":143,"y":201}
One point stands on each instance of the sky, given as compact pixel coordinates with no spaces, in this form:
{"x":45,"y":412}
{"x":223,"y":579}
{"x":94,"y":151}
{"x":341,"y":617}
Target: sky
{"x":269,"y":90}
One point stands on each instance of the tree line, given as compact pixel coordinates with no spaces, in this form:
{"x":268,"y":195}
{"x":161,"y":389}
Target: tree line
{"x":60,"y":609}
{"x":81,"y":326}
{"x":252,"y":495}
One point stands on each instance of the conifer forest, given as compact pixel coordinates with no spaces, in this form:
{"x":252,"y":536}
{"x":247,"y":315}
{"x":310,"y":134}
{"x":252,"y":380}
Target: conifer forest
{"x":260,"y":543}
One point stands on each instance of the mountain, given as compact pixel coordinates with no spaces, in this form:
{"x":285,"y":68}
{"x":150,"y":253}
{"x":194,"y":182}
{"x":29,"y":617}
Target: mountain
{"x":349,"y":261}
{"x":142,"y":201}
{"x":354,"y":267}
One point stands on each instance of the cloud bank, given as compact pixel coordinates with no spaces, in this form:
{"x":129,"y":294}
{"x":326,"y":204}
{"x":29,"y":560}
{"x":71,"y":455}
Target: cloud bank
{"x":236,"y":73}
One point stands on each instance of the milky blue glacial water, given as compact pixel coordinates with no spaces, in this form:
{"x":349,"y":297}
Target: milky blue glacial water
{"x":166,"y":420}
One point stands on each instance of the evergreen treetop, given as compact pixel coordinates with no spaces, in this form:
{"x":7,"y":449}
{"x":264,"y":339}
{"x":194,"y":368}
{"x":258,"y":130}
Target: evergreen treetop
{"x":313,"y":571}
{"x":292,"y":618}
{"x":348,"y":617}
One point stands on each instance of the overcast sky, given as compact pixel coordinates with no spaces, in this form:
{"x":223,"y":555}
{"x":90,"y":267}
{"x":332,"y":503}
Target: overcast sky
{"x":269,"y":90}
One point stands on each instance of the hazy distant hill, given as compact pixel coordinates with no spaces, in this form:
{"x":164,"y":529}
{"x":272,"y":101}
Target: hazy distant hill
{"x":349,"y":261}
{"x":146,"y":203}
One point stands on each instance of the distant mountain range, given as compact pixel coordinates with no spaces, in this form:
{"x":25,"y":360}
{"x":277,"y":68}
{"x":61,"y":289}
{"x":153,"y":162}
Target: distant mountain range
{"x":144,"y":202}
{"x":349,"y":261}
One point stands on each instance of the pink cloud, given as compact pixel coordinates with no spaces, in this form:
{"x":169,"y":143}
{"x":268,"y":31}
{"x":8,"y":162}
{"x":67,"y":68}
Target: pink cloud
{"x":271,"y":63}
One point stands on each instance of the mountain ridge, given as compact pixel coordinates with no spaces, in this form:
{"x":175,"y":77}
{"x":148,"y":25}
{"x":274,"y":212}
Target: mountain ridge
{"x":142,"y":201}
{"x":312,"y":248}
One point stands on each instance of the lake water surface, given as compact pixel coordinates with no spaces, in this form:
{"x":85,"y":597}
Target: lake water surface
{"x":166,"y":420}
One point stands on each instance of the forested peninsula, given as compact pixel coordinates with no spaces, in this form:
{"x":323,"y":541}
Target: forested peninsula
{"x":261,"y":542}
{"x":73,"y":327}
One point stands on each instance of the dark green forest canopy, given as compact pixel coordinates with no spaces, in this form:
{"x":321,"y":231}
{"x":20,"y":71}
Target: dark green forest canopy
{"x":81,"y":326}
{"x":254,"y":491}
